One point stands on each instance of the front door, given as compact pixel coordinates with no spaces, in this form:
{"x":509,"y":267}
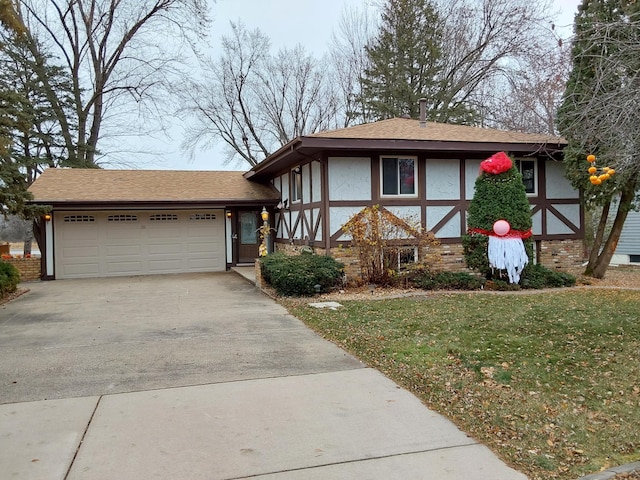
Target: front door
{"x":248,"y":236}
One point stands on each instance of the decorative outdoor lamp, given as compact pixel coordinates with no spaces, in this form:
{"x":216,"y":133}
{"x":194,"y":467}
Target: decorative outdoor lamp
{"x":264,"y":233}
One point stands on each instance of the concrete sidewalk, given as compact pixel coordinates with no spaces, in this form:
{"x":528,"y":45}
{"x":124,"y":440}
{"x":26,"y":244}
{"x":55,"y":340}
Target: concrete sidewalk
{"x":349,"y":422}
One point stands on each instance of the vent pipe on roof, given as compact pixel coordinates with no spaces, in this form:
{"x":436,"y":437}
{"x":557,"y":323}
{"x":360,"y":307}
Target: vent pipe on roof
{"x":423,"y":112}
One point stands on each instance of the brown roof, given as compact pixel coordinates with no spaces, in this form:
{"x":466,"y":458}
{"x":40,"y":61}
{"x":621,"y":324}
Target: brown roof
{"x":96,"y":185}
{"x":410,"y":129}
{"x":405,"y":134}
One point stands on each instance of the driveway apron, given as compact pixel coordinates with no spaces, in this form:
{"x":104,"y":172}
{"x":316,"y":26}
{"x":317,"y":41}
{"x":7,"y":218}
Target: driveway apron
{"x":202,"y":376}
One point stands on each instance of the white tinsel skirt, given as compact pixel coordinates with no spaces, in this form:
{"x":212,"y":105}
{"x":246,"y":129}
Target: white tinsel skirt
{"x":507,"y":254}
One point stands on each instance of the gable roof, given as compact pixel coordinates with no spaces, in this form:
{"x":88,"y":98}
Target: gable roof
{"x":96,"y":186}
{"x":406,"y":134}
{"x":410,"y":129}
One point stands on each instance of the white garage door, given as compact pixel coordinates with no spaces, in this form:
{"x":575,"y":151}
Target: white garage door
{"x":100,"y":244}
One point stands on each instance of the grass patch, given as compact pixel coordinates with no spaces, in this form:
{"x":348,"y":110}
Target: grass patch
{"x":550,"y":382}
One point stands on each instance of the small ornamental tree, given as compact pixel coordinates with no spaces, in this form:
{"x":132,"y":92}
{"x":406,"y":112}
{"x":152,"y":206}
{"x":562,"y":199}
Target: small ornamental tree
{"x":499,"y":197}
{"x":379,"y":238}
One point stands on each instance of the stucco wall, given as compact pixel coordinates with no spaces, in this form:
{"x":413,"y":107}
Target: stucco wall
{"x":349,"y":178}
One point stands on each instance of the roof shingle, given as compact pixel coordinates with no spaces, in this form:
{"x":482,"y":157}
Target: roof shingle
{"x":96,"y":185}
{"x":410,"y":129}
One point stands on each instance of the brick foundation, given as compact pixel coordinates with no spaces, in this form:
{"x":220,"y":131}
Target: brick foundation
{"x":29,"y":268}
{"x":561,"y":254}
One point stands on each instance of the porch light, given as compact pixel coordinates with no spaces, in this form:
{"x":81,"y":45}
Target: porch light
{"x":264,"y":214}
{"x":47,"y":217}
{"x":228,"y":214}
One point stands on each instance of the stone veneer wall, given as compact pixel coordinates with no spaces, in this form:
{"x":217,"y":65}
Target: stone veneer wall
{"x":29,"y":268}
{"x":566,"y":255}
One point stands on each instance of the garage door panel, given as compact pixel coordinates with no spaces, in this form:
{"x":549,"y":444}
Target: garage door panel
{"x":139,"y":243}
{"x":165,"y":265}
{"x":165,"y":249}
{"x":123,"y":267}
{"x":81,"y":270}
{"x":202,"y":265}
{"x":163,"y":231}
{"x":123,"y":250}
{"x":79,"y":253}
{"x":80,"y":234}
{"x":203,"y":247}
{"x":124,"y":234}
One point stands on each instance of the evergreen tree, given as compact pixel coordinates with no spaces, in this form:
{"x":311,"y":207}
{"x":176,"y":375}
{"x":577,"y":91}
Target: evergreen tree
{"x":404,"y":59}
{"x":599,"y":115}
{"x":30,"y":138}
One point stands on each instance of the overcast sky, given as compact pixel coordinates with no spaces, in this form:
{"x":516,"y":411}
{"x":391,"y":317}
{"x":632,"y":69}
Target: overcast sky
{"x":286,"y":23}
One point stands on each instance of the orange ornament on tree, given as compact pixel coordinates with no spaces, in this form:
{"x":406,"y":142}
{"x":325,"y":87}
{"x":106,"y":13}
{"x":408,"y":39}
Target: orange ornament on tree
{"x":591,"y":158}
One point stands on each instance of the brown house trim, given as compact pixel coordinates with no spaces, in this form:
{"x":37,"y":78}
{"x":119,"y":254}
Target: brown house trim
{"x":156,"y":205}
{"x":306,"y":147}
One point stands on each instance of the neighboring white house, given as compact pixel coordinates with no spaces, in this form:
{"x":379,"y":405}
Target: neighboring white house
{"x":628,"y":249}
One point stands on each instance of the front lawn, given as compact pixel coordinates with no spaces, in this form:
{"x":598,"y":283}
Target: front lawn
{"x":549,"y":381}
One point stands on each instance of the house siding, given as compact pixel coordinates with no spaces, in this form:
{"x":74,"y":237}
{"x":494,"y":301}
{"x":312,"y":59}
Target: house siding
{"x":629,"y":243}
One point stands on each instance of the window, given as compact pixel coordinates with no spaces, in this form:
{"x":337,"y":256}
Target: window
{"x":197,"y":217}
{"x":398,"y":176}
{"x":79,"y":218}
{"x":163,"y":217}
{"x":296,"y":184}
{"x":400,"y":258}
{"x":122,"y":218}
{"x":528,"y":170}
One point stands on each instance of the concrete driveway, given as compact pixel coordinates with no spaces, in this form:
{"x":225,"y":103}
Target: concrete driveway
{"x":74,"y":338}
{"x":203,"y":377}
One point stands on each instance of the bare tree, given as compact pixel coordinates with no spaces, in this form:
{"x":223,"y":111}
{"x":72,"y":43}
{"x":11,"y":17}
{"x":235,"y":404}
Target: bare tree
{"x":528,"y":98}
{"x":485,"y":49}
{"x":256,"y":102}
{"x":349,"y":62}
{"x":484,"y":42}
{"x":122,"y":55}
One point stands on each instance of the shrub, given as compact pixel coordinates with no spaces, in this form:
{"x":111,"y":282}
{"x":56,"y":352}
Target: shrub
{"x":9,"y":278}
{"x":298,"y":275}
{"x":495,"y":197}
{"x":446,"y":281}
{"x":538,"y":276}
{"x":381,"y":239}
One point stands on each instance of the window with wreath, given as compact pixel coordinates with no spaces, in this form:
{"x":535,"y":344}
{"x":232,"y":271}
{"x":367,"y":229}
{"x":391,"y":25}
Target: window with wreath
{"x":398,"y":176}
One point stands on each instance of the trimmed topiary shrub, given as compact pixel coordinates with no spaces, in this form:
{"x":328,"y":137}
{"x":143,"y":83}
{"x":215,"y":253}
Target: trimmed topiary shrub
{"x":9,"y":278}
{"x":446,"y":281}
{"x":499,"y":196}
{"x":298,"y":275}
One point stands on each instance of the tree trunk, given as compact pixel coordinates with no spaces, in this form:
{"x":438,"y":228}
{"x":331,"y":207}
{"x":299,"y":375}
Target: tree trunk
{"x":599,"y":237}
{"x":598,"y":268}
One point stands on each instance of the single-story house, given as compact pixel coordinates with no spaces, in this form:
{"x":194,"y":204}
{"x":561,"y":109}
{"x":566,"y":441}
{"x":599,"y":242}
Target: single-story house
{"x":117,"y":222}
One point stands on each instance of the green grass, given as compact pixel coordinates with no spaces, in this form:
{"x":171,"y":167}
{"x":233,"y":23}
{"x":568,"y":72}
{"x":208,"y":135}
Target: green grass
{"x":550,"y":381}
